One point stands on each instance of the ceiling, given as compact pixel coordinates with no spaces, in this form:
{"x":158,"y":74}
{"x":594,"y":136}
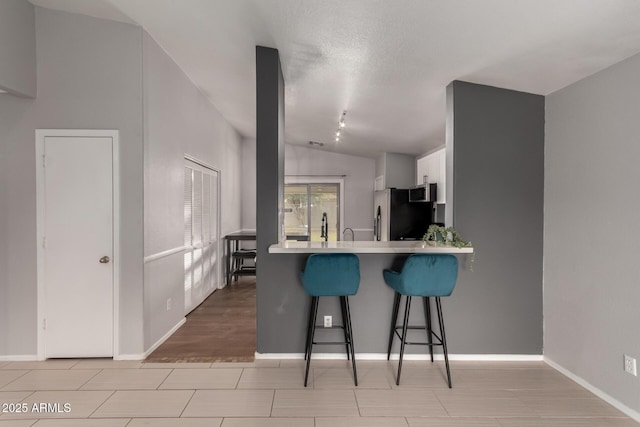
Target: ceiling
{"x":386,"y":62}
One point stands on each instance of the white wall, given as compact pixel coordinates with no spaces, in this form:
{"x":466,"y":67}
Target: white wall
{"x":248,"y":193}
{"x":89,"y":76}
{"x":358,"y":182}
{"x":178,"y":120}
{"x":400,"y":170}
{"x":397,"y":170}
{"x":591,"y":245}
{"x":17,"y":48}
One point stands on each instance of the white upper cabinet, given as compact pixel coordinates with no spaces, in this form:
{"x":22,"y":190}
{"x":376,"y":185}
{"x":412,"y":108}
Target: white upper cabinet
{"x":433,"y":166}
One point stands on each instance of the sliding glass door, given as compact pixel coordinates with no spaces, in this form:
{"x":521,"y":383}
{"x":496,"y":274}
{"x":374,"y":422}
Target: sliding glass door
{"x":305,"y":205}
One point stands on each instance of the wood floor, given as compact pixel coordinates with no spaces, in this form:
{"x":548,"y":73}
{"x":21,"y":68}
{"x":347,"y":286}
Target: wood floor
{"x":221,"y":329}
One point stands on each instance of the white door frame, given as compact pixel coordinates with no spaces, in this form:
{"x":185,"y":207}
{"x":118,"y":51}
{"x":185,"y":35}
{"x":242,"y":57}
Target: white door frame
{"x":41,"y":134}
{"x":219,"y":247}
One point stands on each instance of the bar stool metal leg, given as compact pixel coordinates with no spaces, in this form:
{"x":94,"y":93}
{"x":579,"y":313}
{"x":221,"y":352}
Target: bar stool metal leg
{"x":350,"y":333}
{"x":394,"y":320}
{"x":310,"y":341}
{"x":309,"y":325}
{"x":343,"y":310}
{"x":427,"y":316}
{"x":403,"y":339}
{"x":444,"y":339}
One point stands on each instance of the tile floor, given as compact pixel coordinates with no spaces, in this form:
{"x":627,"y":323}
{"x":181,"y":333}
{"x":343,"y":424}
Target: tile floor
{"x":270,"y":393}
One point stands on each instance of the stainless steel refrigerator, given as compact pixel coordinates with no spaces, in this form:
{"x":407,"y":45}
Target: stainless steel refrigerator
{"x":395,"y":218}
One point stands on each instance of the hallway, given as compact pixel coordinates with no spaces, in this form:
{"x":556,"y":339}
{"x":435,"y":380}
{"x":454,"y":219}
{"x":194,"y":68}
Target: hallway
{"x":221,"y":329}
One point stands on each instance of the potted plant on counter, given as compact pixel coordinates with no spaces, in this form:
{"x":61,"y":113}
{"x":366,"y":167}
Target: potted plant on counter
{"x":437,"y":234}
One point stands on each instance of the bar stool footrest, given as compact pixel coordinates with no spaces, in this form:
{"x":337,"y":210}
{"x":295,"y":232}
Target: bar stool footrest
{"x":331,"y":343}
{"x":419,"y":328}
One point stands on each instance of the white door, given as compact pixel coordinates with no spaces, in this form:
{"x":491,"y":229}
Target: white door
{"x":78,"y":246}
{"x":201,"y":240}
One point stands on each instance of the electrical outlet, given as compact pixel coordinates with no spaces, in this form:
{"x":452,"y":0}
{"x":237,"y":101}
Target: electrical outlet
{"x":328,"y":321}
{"x":168,"y":304}
{"x":630,"y":365}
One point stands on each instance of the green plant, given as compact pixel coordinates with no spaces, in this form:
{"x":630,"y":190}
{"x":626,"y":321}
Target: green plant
{"x":449,"y":236}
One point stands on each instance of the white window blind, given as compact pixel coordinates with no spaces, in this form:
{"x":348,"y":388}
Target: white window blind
{"x":201,"y":233}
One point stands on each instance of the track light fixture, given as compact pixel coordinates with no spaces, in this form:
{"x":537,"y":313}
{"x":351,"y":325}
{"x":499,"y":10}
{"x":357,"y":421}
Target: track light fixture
{"x":341,"y":125}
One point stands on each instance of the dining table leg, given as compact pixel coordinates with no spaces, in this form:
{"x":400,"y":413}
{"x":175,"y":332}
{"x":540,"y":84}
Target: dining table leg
{"x":229,"y":261}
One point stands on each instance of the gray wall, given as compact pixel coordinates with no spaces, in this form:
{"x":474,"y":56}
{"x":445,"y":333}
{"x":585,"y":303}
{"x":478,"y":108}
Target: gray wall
{"x":17,"y":226}
{"x":89,"y":77}
{"x":358,"y":182}
{"x":497,"y":143}
{"x":591,"y":269}
{"x":18,"y":48}
{"x":178,"y":120}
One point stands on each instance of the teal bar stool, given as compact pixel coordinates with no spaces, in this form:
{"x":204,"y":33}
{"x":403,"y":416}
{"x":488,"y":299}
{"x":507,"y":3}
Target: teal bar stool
{"x":331,"y":275}
{"x":426,"y":276}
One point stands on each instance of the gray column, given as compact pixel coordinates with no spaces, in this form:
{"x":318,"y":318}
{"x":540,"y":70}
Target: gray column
{"x":495,"y":149}
{"x":269,"y":185}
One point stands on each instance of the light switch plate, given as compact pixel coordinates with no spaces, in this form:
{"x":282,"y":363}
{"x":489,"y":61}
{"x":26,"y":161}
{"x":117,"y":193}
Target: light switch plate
{"x":630,"y":365}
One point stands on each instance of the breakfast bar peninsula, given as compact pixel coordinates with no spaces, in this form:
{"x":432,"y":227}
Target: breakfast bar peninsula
{"x":370,"y":307}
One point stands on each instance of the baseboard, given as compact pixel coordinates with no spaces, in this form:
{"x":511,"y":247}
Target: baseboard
{"x":142,"y":356}
{"x":394,"y":356}
{"x":135,"y":356}
{"x":19,"y":358}
{"x":601,"y":394}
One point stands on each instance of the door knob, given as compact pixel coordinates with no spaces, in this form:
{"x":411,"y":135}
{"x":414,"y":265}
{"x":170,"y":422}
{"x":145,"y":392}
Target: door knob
{"x":104,"y":260}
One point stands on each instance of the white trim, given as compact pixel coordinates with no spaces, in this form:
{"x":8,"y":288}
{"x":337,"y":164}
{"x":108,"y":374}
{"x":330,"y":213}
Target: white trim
{"x":595,"y":390}
{"x":142,"y":356}
{"x":163,"y":254}
{"x":138,"y":356}
{"x":394,"y":356}
{"x":199,"y":162}
{"x":20,"y":358}
{"x":116,"y":241}
{"x":41,"y":134}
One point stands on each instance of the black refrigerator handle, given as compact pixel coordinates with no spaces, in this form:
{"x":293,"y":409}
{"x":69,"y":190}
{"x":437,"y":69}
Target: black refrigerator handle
{"x":376,"y":225}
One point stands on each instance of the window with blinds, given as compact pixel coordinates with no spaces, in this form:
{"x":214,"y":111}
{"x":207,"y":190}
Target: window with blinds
{"x":201,"y":217}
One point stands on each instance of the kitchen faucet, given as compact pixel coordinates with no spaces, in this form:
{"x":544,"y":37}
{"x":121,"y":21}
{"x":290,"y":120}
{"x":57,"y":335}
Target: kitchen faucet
{"x":324,"y":230}
{"x":353,"y":235}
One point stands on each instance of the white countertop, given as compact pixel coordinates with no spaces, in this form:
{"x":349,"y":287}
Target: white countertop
{"x":366,"y":247}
